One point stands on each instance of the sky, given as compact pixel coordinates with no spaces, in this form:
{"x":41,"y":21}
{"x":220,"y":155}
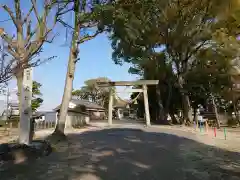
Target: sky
{"x":95,"y":61}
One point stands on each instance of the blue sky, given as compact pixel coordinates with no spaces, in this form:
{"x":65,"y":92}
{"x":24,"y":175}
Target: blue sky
{"x":95,"y":61}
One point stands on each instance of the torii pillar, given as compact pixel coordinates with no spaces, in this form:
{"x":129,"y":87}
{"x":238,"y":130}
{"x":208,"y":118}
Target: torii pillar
{"x":110,"y":107}
{"x":146,"y":105}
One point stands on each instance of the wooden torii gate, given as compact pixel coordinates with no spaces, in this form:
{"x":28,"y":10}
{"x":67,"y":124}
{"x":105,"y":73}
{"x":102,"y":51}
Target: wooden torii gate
{"x":142,"y":83}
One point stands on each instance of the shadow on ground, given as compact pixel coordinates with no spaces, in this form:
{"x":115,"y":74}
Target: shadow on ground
{"x":130,"y":154}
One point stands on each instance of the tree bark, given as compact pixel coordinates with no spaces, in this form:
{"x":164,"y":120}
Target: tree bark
{"x":160,"y":109}
{"x":70,"y":74}
{"x":174,"y":119}
{"x":215,"y":111}
{"x":19,"y":78}
{"x":195,"y":114}
{"x":167,"y":104}
{"x":187,"y":110}
{"x":236,"y":111}
{"x":169,"y":96}
{"x":187,"y":113}
{"x":67,"y":91}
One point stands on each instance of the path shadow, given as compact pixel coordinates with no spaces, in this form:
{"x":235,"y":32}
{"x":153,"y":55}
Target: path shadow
{"x":130,"y":154}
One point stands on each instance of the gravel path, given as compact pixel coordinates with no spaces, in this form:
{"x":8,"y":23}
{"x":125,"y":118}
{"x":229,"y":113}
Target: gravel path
{"x":122,"y":153}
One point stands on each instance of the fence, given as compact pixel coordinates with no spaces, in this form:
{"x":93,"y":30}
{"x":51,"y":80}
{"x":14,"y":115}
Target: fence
{"x":6,"y":129}
{"x":11,"y":128}
{"x":44,"y":125}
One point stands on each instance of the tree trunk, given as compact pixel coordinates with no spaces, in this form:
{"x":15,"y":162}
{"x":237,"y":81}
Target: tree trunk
{"x":67,"y":91}
{"x":160,"y":108}
{"x":187,"y":110}
{"x":169,"y":97}
{"x":195,"y":115}
{"x":69,"y":76}
{"x":19,"y":78}
{"x":167,"y":104}
{"x":174,"y":119}
{"x":236,"y":111}
{"x":215,"y":111}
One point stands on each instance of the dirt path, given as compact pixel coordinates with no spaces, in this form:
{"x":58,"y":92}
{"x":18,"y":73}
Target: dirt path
{"x":132,"y":154}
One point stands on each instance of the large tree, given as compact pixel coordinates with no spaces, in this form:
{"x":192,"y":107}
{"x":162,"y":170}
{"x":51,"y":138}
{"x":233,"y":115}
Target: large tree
{"x":208,"y":80}
{"x":24,"y":43}
{"x":180,"y":29}
{"x":92,"y":92}
{"x":86,"y":26}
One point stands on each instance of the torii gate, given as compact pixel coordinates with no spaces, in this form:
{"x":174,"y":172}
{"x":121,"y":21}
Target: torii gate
{"x":143,"y":83}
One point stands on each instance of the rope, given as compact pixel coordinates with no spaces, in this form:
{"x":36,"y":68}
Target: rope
{"x":129,"y":102}
{"x":133,"y":100}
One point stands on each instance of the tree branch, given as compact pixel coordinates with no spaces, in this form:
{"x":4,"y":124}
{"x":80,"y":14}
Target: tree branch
{"x":195,"y":50}
{"x":89,"y":25}
{"x":64,"y":12}
{"x":12,"y":52}
{"x":18,"y":11}
{"x":88,"y":37}
{"x":28,"y":14}
{"x":6,"y":38}
{"x":65,"y":24}
{"x":14,"y":19}
{"x":35,"y":10}
{"x":35,"y":46}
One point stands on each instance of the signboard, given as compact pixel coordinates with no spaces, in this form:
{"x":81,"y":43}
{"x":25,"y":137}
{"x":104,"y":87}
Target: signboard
{"x":26,"y":110}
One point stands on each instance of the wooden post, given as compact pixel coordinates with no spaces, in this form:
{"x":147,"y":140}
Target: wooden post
{"x":110,"y":107}
{"x":146,"y":105}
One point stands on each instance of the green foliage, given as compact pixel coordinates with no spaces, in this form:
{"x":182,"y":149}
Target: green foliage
{"x":89,"y":18}
{"x":93,"y":93}
{"x":36,"y":96}
{"x":188,"y":45}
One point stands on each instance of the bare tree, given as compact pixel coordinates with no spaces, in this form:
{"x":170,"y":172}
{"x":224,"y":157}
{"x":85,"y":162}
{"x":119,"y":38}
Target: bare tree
{"x":9,"y":67}
{"x":6,"y":70}
{"x":27,"y":43}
